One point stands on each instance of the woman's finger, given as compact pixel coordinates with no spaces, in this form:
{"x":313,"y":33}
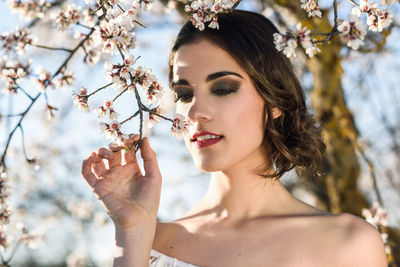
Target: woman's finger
{"x":104,"y":152}
{"x":114,"y":158}
{"x":114,"y":147}
{"x":87,"y":173}
{"x":99,"y":168}
{"x":150,"y":163}
{"x":129,"y":156}
{"x":123,"y":142}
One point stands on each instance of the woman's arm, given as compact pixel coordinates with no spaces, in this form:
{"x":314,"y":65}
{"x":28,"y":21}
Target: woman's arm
{"x":133,"y":245}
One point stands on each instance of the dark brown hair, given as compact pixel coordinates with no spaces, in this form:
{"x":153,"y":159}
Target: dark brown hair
{"x":293,"y":140}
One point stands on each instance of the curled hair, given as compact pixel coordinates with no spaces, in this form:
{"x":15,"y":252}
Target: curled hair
{"x":292,"y":140}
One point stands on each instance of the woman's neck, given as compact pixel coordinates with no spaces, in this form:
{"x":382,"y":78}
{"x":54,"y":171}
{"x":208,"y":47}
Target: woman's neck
{"x":237,"y":197}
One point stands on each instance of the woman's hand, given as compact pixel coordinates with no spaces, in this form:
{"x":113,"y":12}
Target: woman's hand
{"x":129,"y":197}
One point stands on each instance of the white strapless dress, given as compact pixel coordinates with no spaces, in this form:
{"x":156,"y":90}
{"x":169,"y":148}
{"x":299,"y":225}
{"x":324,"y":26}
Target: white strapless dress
{"x":158,"y":259}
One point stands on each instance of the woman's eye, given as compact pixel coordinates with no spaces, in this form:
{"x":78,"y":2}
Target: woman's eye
{"x":183,"y":98}
{"x":223,"y":91}
{"x":186,"y":97}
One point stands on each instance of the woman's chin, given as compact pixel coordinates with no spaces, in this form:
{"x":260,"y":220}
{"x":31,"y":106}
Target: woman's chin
{"x":207,"y":166}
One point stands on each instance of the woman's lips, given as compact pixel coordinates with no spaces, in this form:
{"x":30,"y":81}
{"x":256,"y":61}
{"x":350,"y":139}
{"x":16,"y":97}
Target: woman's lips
{"x":207,"y":142}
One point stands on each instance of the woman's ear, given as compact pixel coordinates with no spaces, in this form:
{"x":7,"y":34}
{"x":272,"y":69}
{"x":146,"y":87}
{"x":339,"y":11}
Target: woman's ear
{"x":276,"y":112}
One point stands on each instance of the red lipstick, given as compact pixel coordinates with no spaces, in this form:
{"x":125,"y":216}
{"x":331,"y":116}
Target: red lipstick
{"x":205,"y":142}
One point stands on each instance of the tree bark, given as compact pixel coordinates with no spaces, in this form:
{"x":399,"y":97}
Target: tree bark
{"x":337,"y":187}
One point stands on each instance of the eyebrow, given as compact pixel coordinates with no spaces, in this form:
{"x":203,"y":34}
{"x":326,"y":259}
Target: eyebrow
{"x":209,"y":78}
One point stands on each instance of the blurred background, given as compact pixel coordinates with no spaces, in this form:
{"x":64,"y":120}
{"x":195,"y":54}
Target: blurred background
{"x":355,"y":94}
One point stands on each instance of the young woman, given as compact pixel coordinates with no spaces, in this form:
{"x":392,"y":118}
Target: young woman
{"x":249,"y":125}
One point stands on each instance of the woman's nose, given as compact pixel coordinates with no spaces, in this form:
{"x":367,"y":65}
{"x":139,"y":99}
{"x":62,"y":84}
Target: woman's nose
{"x":199,"y":111}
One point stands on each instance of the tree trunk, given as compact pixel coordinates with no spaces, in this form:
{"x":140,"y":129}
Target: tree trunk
{"x":341,"y":170}
{"x":336,"y":188}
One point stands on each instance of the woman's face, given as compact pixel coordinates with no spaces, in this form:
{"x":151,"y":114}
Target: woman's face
{"x":218,"y":97}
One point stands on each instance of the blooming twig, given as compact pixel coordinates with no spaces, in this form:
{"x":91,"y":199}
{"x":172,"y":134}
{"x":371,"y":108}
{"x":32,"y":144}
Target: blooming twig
{"x":35,"y":98}
{"x":52,"y":48}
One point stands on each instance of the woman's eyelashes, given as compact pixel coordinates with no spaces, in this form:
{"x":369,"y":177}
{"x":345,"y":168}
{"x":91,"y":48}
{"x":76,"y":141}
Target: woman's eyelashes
{"x":186,"y":95}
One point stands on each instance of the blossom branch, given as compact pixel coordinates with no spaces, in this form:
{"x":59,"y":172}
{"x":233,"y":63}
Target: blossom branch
{"x":121,"y":93}
{"x":99,"y":7}
{"x":334,"y":30}
{"x":23,"y":91}
{"x":140,"y":106}
{"x":97,"y":90}
{"x":120,"y":52}
{"x":354,"y":3}
{"x":120,"y":7}
{"x":335,"y":22}
{"x":131,"y":117}
{"x":151,"y":111}
{"x":87,"y":27}
{"x":52,"y":48}
{"x":46,"y":98}
{"x":11,"y":115}
{"x":23,"y":144}
{"x":138,"y":23}
{"x":371,"y":169}
{"x":2,"y":160}
{"x":63,"y":65}
{"x":15,"y":248}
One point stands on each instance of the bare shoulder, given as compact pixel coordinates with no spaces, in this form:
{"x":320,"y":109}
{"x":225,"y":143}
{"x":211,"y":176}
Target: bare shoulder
{"x":361,"y":242}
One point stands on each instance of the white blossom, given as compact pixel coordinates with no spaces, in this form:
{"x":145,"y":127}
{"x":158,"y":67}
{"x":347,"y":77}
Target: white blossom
{"x":66,"y":79}
{"x":33,"y":239}
{"x":11,"y":71}
{"x":388,"y":2}
{"x":15,"y":41}
{"x":108,"y":66}
{"x":375,"y":215}
{"x":311,"y":7}
{"x":43,"y":80}
{"x":5,"y":239}
{"x":152,"y":118}
{"x":289,"y":42}
{"x":66,"y":16}
{"x":179,"y":125}
{"x":129,"y":60}
{"x":290,"y":48}
{"x":205,"y":10}
{"x":154,"y":93}
{"x":311,"y":48}
{"x":100,"y":112}
{"x":111,"y":129}
{"x":116,"y":32}
{"x":87,"y":18}
{"x":4,"y":189}
{"x":93,"y":50}
{"x":80,"y":99}
{"x":214,"y":23}
{"x":352,"y":32}
{"x":5,"y":214}
{"x":29,"y":9}
{"x":377,"y":19}
{"x":106,"y":108}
